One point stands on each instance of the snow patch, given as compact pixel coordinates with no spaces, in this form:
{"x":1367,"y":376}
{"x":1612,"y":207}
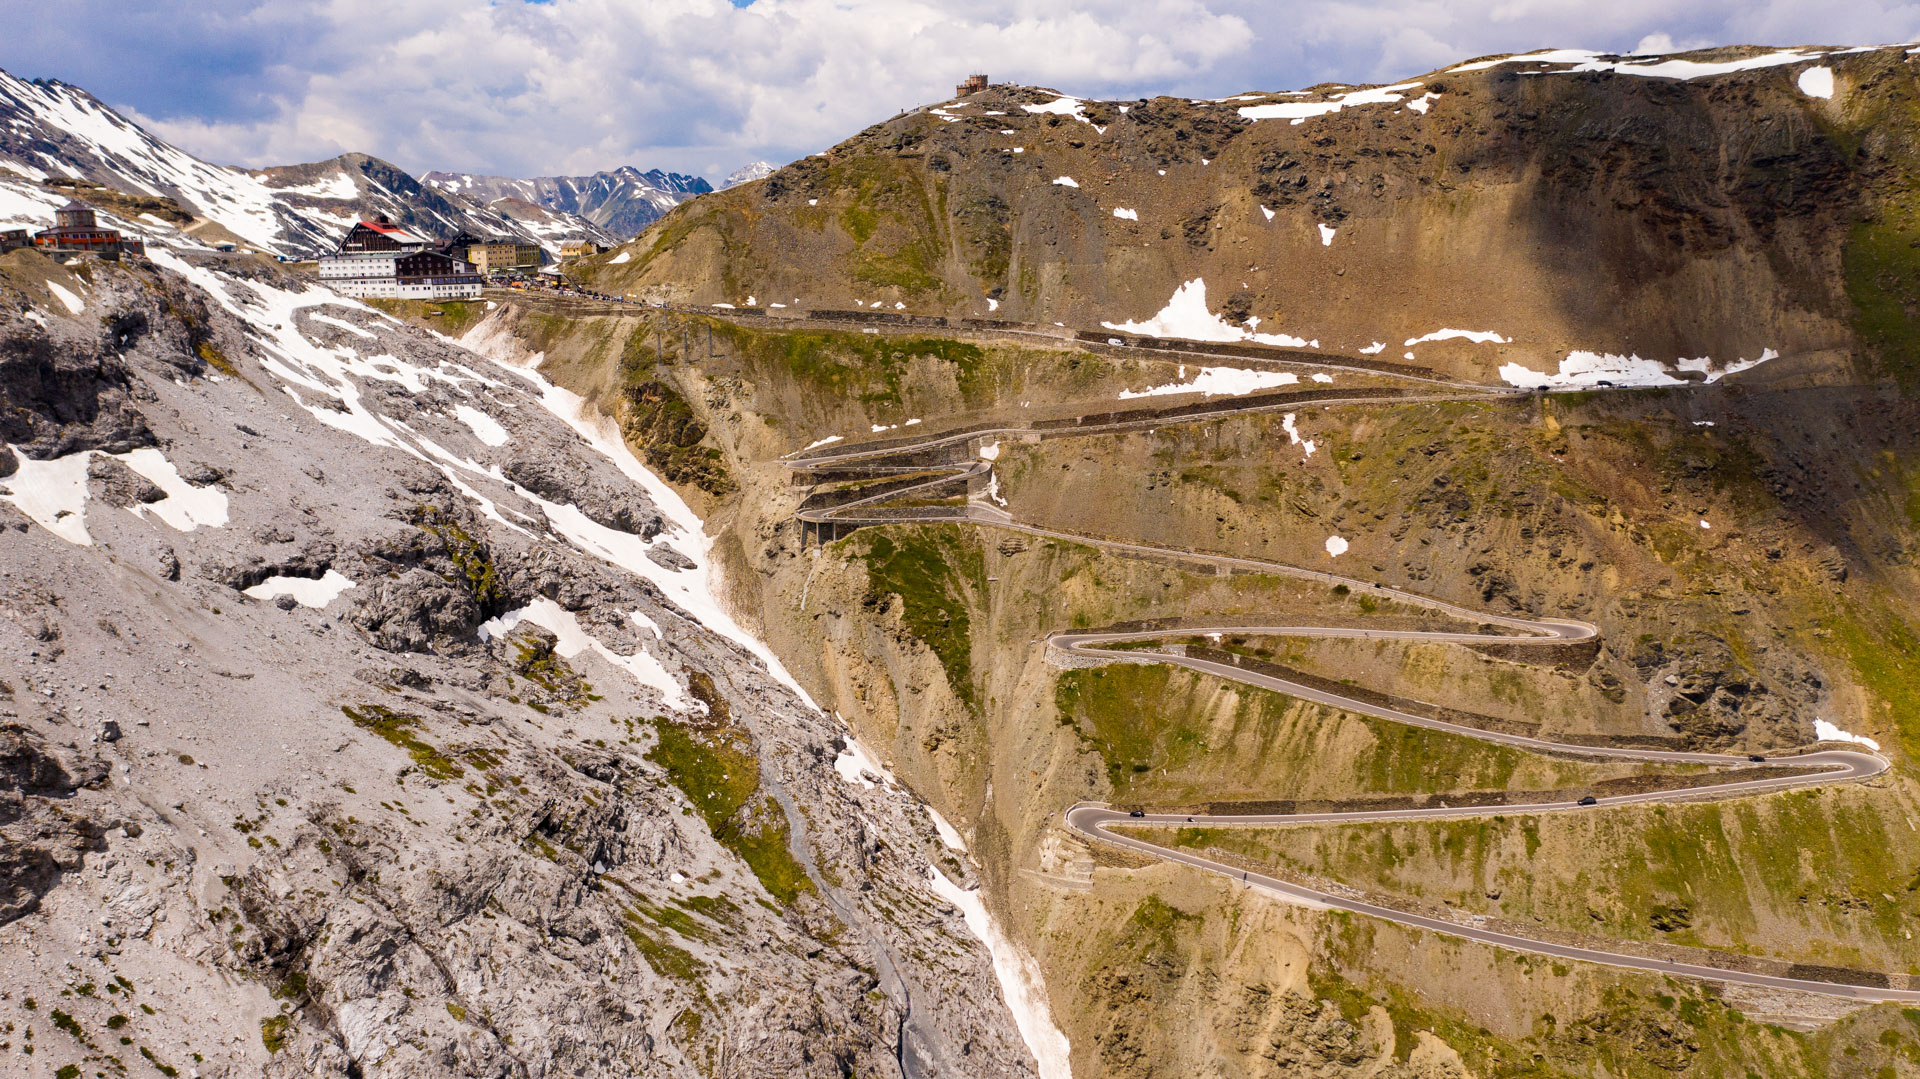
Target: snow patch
{"x":1220,"y":382}
{"x":53,"y":493}
{"x":186,"y":507}
{"x":1298,"y":111}
{"x":1322,"y":376}
{"x":306,"y":591}
{"x":1479,"y":337}
{"x":1125,"y":214}
{"x":67,"y":299}
{"x":1582,"y":60}
{"x":949,"y":835}
{"x":1021,"y":983}
{"x":484,"y":427}
{"x":1066,"y":106}
{"x":1065,"y":181}
{"x":1817,"y":82}
{"x":337,"y":187}
{"x":621,"y":259}
{"x":1374,"y":349}
{"x":342,"y":324}
{"x":1591,"y":369}
{"x":856,"y":765}
{"x":573,"y":640}
{"x":696,"y":589}
{"x":1293,"y":435}
{"x":990,"y":452}
{"x":1186,"y":316}
{"x":827,"y":441}
{"x":1268,"y":212}
{"x":1326,"y":235}
{"x":1336,"y":546}
{"x":1827,"y":732}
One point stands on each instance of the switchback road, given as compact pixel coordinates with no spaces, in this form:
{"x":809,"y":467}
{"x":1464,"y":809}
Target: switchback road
{"x":1811,"y":766}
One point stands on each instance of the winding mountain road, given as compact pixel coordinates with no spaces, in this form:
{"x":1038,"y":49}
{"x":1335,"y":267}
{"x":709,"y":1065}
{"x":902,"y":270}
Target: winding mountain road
{"x":1813,"y":766}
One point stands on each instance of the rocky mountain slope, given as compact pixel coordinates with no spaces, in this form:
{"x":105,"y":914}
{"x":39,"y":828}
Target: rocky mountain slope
{"x":367,"y":710}
{"x":1561,"y":217}
{"x":1743,"y":536}
{"x":620,"y":203}
{"x":50,"y":131}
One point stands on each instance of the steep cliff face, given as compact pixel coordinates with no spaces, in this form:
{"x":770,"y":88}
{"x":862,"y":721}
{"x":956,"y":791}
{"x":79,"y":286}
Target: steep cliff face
{"x":1714,"y":206}
{"x":366,"y":710}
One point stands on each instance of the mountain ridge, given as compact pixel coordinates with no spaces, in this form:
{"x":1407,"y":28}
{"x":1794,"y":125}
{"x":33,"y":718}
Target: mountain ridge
{"x":52,"y":129}
{"x":620,"y":201}
{"x":1250,"y":218}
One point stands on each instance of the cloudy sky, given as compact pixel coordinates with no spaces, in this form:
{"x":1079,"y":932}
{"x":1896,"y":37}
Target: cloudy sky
{"x":536,"y":87}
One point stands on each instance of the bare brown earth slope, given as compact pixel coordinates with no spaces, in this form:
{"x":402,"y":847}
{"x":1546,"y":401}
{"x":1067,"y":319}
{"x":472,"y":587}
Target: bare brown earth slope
{"x":1745,"y":546}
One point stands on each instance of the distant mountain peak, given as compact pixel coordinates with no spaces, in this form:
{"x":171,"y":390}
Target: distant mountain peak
{"x":621,"y":202}
{"x":749,"y":172}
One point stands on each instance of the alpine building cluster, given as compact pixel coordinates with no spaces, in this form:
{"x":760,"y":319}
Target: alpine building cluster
{"x":380,"y":259}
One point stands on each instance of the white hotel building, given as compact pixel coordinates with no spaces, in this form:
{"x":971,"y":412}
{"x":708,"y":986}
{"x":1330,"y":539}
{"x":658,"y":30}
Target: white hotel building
{"x":381,"y":259}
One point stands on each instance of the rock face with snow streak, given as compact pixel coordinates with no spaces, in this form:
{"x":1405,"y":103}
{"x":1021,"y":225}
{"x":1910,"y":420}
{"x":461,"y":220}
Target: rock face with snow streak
{"x":329,"y":826}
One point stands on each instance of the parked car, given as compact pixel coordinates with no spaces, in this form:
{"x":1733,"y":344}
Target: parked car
{"x":1756,"y":758}
{"x":1589,"y":800}
{"x":1137,"y":813}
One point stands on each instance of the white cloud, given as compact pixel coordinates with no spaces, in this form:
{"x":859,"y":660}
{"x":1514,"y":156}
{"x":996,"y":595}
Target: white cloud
{"x":699,"y":85}
{"x":578,"y":85}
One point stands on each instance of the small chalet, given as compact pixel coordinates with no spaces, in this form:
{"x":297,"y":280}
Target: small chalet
{"x":75,"y":231}
{"x":573,"y":249}
{"x":13,"y":240}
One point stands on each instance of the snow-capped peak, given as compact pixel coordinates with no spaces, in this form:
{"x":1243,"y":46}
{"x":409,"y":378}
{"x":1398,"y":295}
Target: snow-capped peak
{"x":751,"y":171}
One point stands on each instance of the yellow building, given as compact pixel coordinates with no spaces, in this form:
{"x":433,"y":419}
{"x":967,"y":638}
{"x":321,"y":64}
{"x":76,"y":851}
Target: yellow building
{"x":495,"y":255}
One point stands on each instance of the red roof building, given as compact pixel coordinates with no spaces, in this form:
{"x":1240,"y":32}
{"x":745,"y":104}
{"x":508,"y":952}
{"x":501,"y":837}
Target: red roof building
{"x":75,"y":231}
{"x":379,"y":259}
